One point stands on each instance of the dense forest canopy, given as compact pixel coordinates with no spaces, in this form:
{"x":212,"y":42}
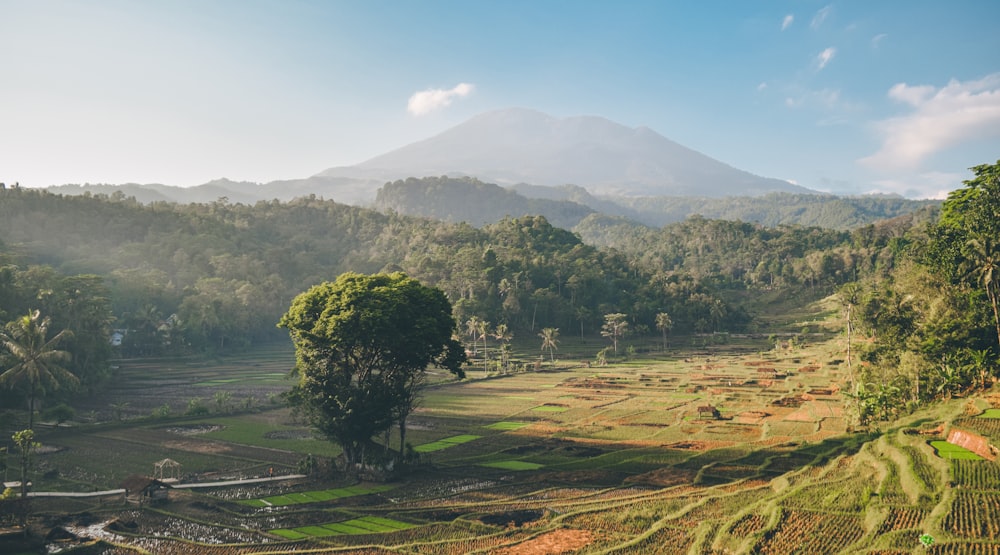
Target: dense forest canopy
{"x":216,"y":276}
{"x":467,"y":199}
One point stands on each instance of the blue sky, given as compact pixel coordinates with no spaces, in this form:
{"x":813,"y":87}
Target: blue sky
{"x":846,"y":97}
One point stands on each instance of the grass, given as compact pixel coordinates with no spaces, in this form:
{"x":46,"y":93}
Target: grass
{"x":315,"y":496}
{"x":550,"y":408}
{"x":990,"y":413}
{"x":508,"y":426}
{"x":445,"y":443}
{"x":947,"y":450}
{"x":363,"y":525}
{"x":513,"y":465}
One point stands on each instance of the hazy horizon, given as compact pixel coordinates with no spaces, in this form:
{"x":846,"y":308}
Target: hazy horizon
{"x":840,"y":97}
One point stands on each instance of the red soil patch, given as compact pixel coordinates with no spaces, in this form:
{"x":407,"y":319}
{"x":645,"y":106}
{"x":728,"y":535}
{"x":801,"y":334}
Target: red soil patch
{"x":973,"y":442}
{"x":557,"y":541}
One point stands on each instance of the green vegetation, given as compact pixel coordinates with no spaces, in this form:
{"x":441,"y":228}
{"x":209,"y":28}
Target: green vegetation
{"x":362,"y":345}
{"x":955,"y":452}
{"x":445,"y":443}
{"x":365,"y":525}
{"x":315,"y":496}
{"x":716,"y":386}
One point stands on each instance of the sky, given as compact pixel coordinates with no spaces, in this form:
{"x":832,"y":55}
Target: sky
{"x":848,"y":97}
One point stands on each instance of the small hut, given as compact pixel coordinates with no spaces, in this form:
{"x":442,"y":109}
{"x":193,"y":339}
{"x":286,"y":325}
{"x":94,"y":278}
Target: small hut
{"x":167,"y":469}
{"x":708,"y":410}
{"x":143,"y":489}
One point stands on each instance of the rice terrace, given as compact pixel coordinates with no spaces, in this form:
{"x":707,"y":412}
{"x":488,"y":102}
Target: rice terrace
{"x":567,"y":457}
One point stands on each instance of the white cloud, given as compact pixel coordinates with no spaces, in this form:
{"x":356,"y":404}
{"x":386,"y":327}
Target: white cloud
{"x":787,"y":22}
{"x":941,"y":118}
{"x":826,"y":99}
{"x":877,"y":39}
{"x":825,"y":56}
{"x":762,"y":85}
{"x":932,"y":185}
{"x":427,"y":101}
{"x":820,"y":17}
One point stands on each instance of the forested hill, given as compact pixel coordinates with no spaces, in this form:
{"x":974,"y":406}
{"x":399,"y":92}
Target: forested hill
{"x":228,"y":271}
{"x":470,"y":200}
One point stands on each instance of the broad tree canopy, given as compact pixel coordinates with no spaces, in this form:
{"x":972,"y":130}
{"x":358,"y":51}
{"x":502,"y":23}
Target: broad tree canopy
{"x":360,"y":341}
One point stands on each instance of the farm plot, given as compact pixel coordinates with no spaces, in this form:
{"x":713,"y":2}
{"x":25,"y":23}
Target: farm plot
{"x":947,"y":450}
{"x":627,"y":467}
{"x":445,"y":443}
{"x":315,"y":496}
{"x":363,"y":525}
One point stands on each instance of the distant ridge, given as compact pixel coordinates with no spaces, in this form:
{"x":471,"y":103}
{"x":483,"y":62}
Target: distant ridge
{"x":589,"y":158}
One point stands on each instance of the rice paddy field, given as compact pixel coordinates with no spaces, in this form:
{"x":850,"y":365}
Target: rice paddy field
{"x":718,"y":445}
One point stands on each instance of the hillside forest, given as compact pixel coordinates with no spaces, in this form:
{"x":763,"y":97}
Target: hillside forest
{"x":127,"y":279}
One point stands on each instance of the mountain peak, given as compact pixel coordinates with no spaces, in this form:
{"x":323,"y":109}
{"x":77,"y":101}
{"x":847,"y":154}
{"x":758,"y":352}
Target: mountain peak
{"x":520,"y":145}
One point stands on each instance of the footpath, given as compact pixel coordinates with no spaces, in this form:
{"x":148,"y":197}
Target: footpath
{"x":192,"y":485}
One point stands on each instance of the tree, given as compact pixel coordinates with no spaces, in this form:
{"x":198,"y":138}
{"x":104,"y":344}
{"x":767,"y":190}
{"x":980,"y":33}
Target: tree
{"x":34,"y":360}
{"x":614,"y":328}
{"x":25,"y":441}
{"x":964,"y":241}
{"x":849,"y":297}
{"x":361,"y":342}
{"x":550,"y":341}
{"x":664,"y":324}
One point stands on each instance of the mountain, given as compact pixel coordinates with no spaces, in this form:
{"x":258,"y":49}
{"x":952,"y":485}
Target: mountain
{"x":514,"y":146}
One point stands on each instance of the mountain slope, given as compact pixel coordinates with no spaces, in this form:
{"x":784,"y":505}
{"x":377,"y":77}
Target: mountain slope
{"x":524,"y":146}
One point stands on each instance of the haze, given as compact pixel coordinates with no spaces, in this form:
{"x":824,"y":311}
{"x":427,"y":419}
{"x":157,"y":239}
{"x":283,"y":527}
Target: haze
{"x":844,"y":97}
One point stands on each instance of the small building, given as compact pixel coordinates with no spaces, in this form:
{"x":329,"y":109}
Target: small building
{"x":140,"y":490}
{"x":708,"y":410}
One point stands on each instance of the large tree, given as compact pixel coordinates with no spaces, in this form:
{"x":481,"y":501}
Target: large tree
{"x":361,"y":343}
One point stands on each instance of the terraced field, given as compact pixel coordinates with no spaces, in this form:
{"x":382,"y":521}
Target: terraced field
{"x":571,"y":458}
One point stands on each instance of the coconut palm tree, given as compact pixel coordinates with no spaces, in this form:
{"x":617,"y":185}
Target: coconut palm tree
{"x":550,"y":341}
{"x":32,"y":359}
{"x":664,"y":323}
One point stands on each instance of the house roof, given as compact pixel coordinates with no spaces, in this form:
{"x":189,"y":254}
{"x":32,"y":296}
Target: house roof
{"x":136,"y":482}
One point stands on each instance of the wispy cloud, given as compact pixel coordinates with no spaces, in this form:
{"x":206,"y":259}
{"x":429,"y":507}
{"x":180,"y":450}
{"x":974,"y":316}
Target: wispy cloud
{"x":427,"y":101}
{"x":935,"y":185}
{"x":824,"y":57}
{"x":941,"y":118}
{"x":826,"y":99}
{"x":820,"y":17}
{"x":787,"y":22}
{"x":877,"y":39}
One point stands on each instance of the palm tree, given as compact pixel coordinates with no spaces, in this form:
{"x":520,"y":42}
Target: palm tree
{"x":614,"y":327}
{"x":34,"y":359}
{"x":472,"y":330}
{"x":849,"y":298}
{"x":664,"y":323}
{"x":550,"y":341}
{"x":503,"y":335}
{"x":482,"y":329}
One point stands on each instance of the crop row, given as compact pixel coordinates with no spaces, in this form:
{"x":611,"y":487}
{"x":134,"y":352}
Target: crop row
{"x":748,"y":525}
{"x":902,"y":519}
{"x":665,"y":541}
{"x":813,"y":533}
{"x":974,"y":514}
{"x":922,"y":469}
{"x":982,"y":475}
{"x":986,"y":426}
